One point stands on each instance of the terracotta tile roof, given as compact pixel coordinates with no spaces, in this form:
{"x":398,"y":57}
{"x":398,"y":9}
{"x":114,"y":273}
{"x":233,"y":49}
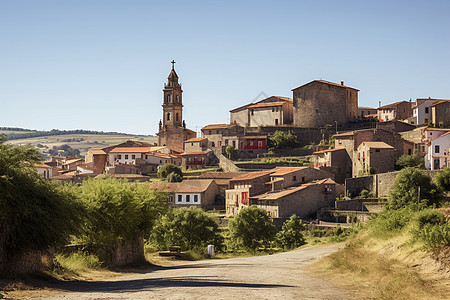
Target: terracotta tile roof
{"x":43,"y":166}
{"x":392,"y":105}
{"x":220,"y":175}
{"x":194,"y":186}
{"x":271,"y":98}
{"x":284,"y":98}
{"x":377,"y":145}
{"x":218,"y":126}
{"x":169,"y":187}
{"x":71,"y":161}
{"x":279,"y":179}
{"x":436,"y":129}
{"x":364,"y":107}
{"x":197,"y":153}
{"x":241,"y":108}
{"x":130,"y":150}
{"x":88,"y":166}
{"x":440,"y":102}
{"x":327,"y":82}
{"x":199,"y":139}
{"x":350,"y":133}
{"x":280,"y":171}
{"x":252,"y":175}
{"x":328,"y":150}
{"x":267,"y":104}
{"x":290,"y":190}
{"x":97,"y":151}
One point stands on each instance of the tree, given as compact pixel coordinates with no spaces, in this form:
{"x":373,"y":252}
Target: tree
{"x":442,"y":179}
{"x":291,"y":235}
{"x":414,"y":160}
{"x":35,"y":214}
{"x":282,"y":140}
{"x":174,"y":177}
{"x":2,"y":138}
{"x":190,"y":228}
{"x":165,"y":170}
{"x":231,"y":151}
{"x":117,"y":210}
{"x":252,"y":228}
{"x":405,"y":189}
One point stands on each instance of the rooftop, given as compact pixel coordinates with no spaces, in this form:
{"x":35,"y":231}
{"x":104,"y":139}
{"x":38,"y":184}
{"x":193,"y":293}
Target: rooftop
{"x":130,"y":150}
{"x":97,"y":151}
{"x":327,"y":82}
{"x":377,"y":145}
{"x":220,"y":175}
{"x":281,"y":171}
{"x":392,"y":105}
{"x":328,"y":150}
{"x":252,"y":175}
{"x":267,"y":104}
{"x":218,"y":126}
{"x":199,"y":139}
{"x":194,"y":186}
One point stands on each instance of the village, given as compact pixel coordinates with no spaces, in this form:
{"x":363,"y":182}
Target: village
{"x":340,"y":151}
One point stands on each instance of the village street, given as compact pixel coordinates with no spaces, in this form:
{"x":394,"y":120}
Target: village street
{"x":278,"y":276}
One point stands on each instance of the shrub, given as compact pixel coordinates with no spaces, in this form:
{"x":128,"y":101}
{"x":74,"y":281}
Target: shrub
{"x":34,"y":213}
{"x":442,"y":179}
{"x":231,"y":151}
{"x":174,"y":177}
{"x":291,"y":235}
{"x":390,"y":222}
{"x":405,"y":189}
{"x":282,"y":140}
{"x":414,"y":160}
{"x":117,"y":210}
{"x":191,"y":228}
{"x":252,"y":228}
{"x":78,"y":261}
{"x":435,"y":236}
{"x":429,"y":216}
{"x":165,"y":170}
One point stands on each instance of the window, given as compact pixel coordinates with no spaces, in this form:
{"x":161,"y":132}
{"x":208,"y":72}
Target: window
{"x":409,"y":151}
{"x":170,"y":199}
{"x":160,"y":161}
{"x":226,"y":142}
{"x":426,"y":121}
{"x":220,"y":143}
{"x":317,"y":110}
{"x":251,"y":112}
{"x":427,"y":110}
{"x":195,"y":198}
{"x":436,"y":149}
{"x":178,"y":99}
{"x":120,"y":156}
{"x":213,"y":144}
{"x":303,"y":179}
{"x":126,"y":156}
{"x":423,"y":148}
{"x":192,"y":144}
{"x":180,"y":198}
{"x":176,"y":117}
{"x":209,"y":131}
{"x":168,"y":116}
{"x":378,"y":150}
{"x":251,"y":143}
{"x":273,"y":109}
{"x":188,"y":198}
{"x":133,"y":156}
{"x":260,"y":145}
{"x":234,"y":144}
{"x":168,"y":98}
{"x":294,"y":178}
{"x":276,"y":121}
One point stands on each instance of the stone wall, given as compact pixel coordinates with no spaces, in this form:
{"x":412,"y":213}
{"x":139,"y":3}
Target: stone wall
{"x":353,"y":204}
{"x":227,"y":165}
{"x":354,"y":186}
{"x":305,"y":136}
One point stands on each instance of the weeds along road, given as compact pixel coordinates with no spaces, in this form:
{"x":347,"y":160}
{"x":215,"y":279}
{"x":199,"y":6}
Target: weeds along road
{"x":278,"y":276}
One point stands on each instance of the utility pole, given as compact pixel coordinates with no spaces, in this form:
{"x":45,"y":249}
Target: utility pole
{"x":418,"y":195}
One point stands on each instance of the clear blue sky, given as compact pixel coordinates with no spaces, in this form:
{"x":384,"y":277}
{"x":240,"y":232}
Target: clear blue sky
{"x":101,"y":65}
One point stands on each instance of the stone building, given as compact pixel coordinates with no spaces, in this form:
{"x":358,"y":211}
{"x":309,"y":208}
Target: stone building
{"x":195,"y":145}
{"x":272,"y":111}
{"x":440,"y":113}
{"x":376,"y":156}
{"x":401,"y":110}
{"x":172,"y":128}
{"x":221,"y":135}
{"x":366,"y":112}
{"x":319,"y":103}
{"x":304,"y":200}
{"x":351,"y":140}
{"x":333,"y":161}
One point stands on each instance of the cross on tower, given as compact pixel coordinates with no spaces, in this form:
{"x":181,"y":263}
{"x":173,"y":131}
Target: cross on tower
{"x":173,"y":64}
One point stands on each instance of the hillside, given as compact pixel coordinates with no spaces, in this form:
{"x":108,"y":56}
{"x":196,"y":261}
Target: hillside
{"x":82,"y":141}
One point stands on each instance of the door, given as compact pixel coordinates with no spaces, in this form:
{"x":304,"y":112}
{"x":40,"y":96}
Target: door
{"x":436,"y":164}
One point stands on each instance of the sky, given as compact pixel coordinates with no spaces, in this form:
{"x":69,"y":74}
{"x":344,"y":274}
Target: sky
{"x":101,"y":64}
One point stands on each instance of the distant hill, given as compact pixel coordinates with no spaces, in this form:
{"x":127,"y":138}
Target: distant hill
{"x":13,"y":133}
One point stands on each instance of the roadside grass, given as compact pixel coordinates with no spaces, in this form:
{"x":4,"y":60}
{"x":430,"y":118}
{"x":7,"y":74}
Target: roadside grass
{"x":389,"y":259}
{"x":78,"y":262}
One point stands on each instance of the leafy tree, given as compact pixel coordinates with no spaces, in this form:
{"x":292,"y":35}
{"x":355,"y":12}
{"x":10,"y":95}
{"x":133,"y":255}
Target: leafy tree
{"x":231,"y":151}
{"x":34,"y":213}
{"x":174,"y":177}
{"x":282,"y":140}
{"x":117,"y":210}
{"x":405,"y":189}
{"x":66,"y":151}
{"x":414,"y":160}
{"x":165,"y":170}
{"x":252,"y":228}
{"x":291,"y":235}
{"x":442,"y":179}
{"x":2,"y":138}
{"x":190,"y":228}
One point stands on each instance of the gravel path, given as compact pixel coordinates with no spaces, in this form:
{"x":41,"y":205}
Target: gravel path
{"x":278,"y":276}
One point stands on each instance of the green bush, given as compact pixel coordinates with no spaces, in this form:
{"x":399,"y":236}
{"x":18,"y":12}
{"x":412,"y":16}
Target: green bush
{"x":78,"y":261}
{"x":435,"y":236}
{"x":252,"y":228}
{"x":282,"y":140}
{"x":429,"y":216}
{"x":117,"y":210}
{"x":291,"y":234}
{"x":174,"y":177}
{"x":442,"y":179}
{"x":414,"y":160}
{"x":165,"y":170}
{"x":35,"y":214}
{"x":390,"y":222}
{"x":190,"y":228}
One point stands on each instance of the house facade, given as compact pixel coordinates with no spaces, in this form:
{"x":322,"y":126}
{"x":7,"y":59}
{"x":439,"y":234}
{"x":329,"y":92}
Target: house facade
{"x":319,"y":103}
{"x":401,"y":110}
{"x":373,"y":156}
{"x":333,"y":161}
{"x":437,"y":155}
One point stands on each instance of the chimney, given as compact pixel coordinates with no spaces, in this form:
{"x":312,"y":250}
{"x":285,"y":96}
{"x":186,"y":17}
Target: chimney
{"x":342,"y":83}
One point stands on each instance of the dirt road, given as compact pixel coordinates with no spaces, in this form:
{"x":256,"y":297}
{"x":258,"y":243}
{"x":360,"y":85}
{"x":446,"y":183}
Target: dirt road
{"x":275,"y":276}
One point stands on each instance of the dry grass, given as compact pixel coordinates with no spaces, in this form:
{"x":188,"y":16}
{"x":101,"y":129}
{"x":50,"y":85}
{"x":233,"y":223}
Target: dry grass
{"x":386,"y":269}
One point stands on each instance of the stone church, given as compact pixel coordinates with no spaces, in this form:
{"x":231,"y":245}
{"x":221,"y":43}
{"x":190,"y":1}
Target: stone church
{"x":172,"y":129}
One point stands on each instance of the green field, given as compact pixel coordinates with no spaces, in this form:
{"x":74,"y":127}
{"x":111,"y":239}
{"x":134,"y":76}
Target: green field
{"x":89,"y":140}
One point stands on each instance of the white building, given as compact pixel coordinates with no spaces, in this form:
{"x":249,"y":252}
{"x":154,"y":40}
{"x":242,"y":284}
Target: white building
{"x":127,"y":155}
{"x":437,"y":155}
{"x":422,"y":111}
{"x":44,"y":170}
